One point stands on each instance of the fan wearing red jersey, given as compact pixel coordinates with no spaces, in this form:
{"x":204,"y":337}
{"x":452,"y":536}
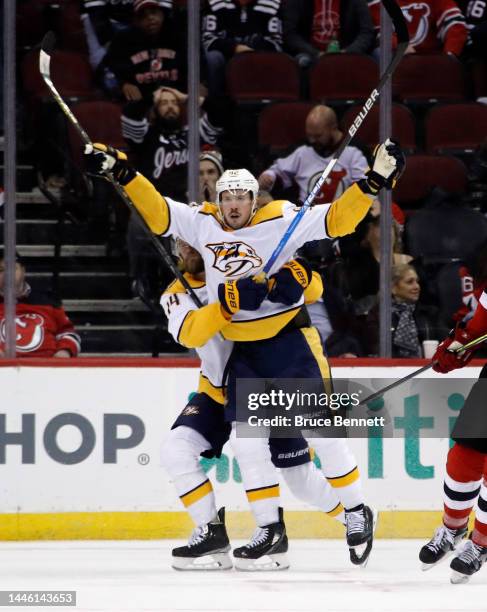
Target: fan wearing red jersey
{"x":466,"y":470}
{"x":42,"y":326}
{"x":434,"y":26}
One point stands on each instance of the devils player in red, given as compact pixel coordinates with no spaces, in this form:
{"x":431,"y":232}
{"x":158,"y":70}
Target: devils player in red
{"x":466,"y":468}
{"x":43,"y":328}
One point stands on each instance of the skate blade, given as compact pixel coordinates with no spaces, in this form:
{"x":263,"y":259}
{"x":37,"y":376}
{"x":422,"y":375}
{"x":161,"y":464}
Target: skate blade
{"x":427,"y":566}
{"x":267,"y":563}
{"x":458,"y":578}
{"x":209,"y":563}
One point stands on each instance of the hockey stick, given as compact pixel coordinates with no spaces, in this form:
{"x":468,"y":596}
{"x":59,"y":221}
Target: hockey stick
{"x":400,"y":26}
{"x":47,"y":46}
{"x":381,"y":392}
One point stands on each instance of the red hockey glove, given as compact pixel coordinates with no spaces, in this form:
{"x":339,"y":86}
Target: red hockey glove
{"x":447,"y":358}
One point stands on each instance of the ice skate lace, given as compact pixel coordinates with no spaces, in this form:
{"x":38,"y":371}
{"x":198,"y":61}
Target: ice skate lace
{"x":441,"y":534}
{"x":198,"y":536}
{"x":259,"y":537}
{"x":355,"y":521}
{"x":471,"y":552}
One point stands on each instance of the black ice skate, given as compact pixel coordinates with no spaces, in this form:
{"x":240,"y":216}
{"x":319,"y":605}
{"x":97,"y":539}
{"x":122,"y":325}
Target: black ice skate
{"x":441,"y":545}
{"x":467,"y":562}
{"x":266,"y":551}
{"x":207,"y":548}
{"x":360,"y":523}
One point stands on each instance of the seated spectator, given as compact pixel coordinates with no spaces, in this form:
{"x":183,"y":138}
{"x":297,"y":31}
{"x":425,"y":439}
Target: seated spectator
{"x":313,"y":28}
{"x":102,"y":19}
{"x":42,"y":326}
{"x":360,"y":254}
{"x":157,"y":135}
{"x":434,"y":26}
{"x":473,"y":278}
{"x":238,"y":26}
{"x":305,"y":165}
{"x":410,"y":323}
{"x":211,"y":168}
{"x":148,"y":54}
{"x":476,"y":16}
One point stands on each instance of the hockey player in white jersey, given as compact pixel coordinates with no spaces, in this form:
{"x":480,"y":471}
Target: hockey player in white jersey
{"x":235,"y":241}
{"x":201,"y":429}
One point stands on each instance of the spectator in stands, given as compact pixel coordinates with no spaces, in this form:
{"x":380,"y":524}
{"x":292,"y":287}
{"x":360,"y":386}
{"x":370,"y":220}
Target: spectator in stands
{"x":102,"y":19}
{"x":434,"y":26}
{"x":149,"y":54}
{"x":42,"y":326}
{"x":238,"y":26}
{"x":409,"y":323}
{"x":305,"y":165}
{"x":313,"y":28}
{"x":476,"y":16}
{"x":157,"y":135}
{"x":211,"y":168}
{"x":360,"y":255}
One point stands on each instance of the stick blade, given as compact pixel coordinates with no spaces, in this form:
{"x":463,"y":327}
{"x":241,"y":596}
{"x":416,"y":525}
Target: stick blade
{"x":48,"y":43}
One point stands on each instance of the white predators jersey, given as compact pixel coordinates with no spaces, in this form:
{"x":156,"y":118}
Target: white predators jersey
{"x":214,"y":355}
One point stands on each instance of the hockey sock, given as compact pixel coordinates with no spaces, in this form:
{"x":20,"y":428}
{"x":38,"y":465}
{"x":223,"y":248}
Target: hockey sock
{"x":308,"y":483}
{"x":340,"y":468}
{"x":479,"y":535}
{"x":464,"y":468}
{"x":180,"y":456}
{"x":259,"y":477}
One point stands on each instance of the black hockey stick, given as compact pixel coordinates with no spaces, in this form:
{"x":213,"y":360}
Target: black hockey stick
{"x":47,"y":46}
{"x":425,"y":368}
{"x":401,"y":28}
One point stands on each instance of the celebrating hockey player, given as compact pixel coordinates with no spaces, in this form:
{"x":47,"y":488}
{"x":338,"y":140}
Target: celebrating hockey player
{"x":201,"y":429}
{"x":272,"y":339}
{"x":466,"y":468}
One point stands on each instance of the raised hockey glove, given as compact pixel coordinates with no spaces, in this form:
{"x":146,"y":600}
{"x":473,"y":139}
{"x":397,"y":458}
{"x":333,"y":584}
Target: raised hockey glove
{"x":287,"y":285}
{"x":243,"y":294}
{"x":446,"y":357}
{"x":387,"y":166}
{"x":101,"y":159}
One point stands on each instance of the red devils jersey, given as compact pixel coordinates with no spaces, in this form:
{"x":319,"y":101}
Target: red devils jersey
{"x":42,"y":329}
{"x":433,"y":25}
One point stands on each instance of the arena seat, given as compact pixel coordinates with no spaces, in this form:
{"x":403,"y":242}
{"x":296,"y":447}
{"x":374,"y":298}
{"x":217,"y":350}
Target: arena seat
{"x":282,"y":125}
{"x":455,"y":128}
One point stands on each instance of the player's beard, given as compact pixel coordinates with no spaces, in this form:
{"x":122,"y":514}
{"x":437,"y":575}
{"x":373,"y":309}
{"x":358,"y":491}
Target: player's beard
{"x":168,"y":124}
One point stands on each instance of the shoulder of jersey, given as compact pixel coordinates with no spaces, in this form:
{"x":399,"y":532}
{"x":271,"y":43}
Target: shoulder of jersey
{"x":218,"y":5}
{"x":269,"y":212}
{"x":268,"y":6}
{"x":177,"y":286}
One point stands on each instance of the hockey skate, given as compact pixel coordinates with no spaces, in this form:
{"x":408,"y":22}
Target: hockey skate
{"x":266,"y":551}
{"x":360,"y":525}
{"x":467,"y":562}
{"x":207,"y":548}
{"x":441,"y":545}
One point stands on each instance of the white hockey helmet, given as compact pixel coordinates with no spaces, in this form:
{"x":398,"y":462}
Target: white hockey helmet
{"x":233,"y":180}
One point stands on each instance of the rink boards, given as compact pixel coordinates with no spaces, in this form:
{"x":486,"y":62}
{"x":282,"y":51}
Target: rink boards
{"x":80,"y":444}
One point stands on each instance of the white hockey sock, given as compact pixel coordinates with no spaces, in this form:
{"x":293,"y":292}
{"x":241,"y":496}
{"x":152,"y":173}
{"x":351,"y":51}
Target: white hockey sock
{"x":340,"y":468}
{"x":180,"y":455}
{"x":259,"y":477}
{"x":307,"y":483}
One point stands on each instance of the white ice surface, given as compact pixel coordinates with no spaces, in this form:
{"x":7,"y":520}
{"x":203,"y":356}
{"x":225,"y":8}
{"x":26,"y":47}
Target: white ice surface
{"x":137,"y":576}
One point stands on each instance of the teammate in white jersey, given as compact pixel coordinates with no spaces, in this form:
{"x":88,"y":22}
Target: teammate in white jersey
{"x":201,"y":429}
{"x":274,"y":339}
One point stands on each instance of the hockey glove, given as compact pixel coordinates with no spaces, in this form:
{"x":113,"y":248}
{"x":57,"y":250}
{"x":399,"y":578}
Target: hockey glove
{"x":287,"y":285}
{"x":447,"y":358}
{"x":243,"y":294}
{"x":388,"y":165}
{"x":101,"y":159}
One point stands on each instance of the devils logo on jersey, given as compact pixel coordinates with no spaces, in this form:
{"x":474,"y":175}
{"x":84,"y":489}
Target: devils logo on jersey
{"x":331,"y":189}
{"x":30,"y":332}
{"x":234,"y":258}
{"x":416,"y":15}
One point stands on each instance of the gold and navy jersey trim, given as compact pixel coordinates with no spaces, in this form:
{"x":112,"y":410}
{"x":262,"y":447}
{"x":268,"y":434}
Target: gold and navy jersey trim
{"x":197,"y":493}
{"x":269,"y":212}
{"x":335,"y":511}
{"x":259,"y":329}
{"x":345,"y":480}
{"x":260,"y":493}
{"x":177,"y":286}
{"x":216,"y":393}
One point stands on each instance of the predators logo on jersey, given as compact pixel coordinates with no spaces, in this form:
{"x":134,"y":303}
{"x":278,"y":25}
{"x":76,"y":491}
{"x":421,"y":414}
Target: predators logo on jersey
{"x":234,"y":258}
